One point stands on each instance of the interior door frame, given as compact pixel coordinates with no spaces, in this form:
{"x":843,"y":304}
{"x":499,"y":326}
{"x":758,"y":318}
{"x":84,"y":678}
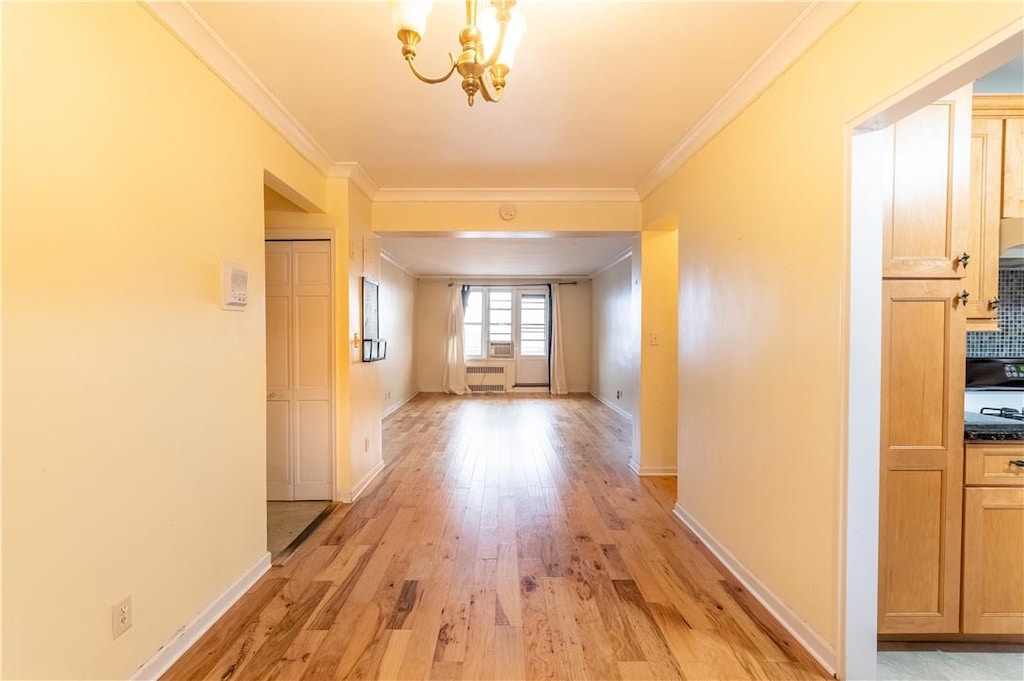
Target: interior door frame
{"x":288,"y":234}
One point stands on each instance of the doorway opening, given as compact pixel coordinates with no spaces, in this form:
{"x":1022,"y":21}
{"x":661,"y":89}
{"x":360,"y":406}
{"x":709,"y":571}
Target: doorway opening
{"x":860,"y":485}
{"x":300,"y":400}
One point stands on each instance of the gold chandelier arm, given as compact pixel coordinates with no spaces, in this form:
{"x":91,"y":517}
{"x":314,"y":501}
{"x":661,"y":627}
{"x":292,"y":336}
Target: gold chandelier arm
{"x":488,"y":95}
{"x":493,"y":86}
{"x":428,"y":79}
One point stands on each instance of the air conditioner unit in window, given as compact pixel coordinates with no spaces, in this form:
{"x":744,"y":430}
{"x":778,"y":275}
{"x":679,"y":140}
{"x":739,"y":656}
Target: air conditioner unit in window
{"x":500,"y":349}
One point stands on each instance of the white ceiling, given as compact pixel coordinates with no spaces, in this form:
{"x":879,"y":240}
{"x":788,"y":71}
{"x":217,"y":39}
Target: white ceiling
{"x":600,"y":93}
{"x":521,"y":256}
{"x":605,"y":98}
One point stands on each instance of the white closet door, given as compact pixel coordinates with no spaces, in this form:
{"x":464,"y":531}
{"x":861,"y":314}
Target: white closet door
{"x":279,"y":351}
{"x":311,"y":368}
{"x":299,"y":370}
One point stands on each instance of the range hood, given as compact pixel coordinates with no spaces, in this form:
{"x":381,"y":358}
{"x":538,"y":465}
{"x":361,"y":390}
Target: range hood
{"x":1011,"y":244}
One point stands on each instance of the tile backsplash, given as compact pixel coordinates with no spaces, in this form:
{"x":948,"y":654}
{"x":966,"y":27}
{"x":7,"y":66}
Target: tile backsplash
{"x":1009,"y":342}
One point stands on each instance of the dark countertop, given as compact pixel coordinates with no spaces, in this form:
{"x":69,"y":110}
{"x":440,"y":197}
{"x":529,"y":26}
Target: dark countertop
{"x":980,"y":428}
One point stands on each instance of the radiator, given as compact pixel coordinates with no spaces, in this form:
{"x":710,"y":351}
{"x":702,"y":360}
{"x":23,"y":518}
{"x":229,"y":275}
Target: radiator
{"x":486,"y":378}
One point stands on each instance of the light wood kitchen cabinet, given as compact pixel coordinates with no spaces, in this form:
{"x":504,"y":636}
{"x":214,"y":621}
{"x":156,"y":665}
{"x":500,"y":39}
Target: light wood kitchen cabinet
{"x":993,"y":540}
{"x":981,"y":276}
{"x":997,"y":185}
{"x":1013,"y":164}
{"x":923,"y":332}
{"x":926,"y":183}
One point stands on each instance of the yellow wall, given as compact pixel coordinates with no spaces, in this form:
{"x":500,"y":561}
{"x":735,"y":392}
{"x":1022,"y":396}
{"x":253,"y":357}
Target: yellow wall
{"x":615,"y":363}
{"x":659,"y":311}
{"x":133,"y":404}
{"x":365,"y":383}
{"x":398,"y":302}
{"x":1,"y":345}
{"x":532,"y":216}
{"x":762,"y":274}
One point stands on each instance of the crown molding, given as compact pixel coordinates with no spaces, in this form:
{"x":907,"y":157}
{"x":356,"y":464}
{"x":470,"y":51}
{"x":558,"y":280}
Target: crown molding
{"x":566,"y":194}
{"x":400,"y":266}
{"x":353,"y":172}
{"x":193,"y":31}
{"x":804,"y":31}
{"x":625,"y":255}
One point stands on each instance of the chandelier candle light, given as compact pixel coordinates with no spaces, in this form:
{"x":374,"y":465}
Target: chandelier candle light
{"x":500,"y":28}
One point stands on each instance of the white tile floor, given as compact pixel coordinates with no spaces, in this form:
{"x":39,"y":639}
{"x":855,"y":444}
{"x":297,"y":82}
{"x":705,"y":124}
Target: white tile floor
{"x":287,"y":519}
{"x":951,"y":662}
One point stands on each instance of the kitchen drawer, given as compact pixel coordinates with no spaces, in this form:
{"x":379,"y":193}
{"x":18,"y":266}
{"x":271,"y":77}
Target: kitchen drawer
{"x":989,"y":464}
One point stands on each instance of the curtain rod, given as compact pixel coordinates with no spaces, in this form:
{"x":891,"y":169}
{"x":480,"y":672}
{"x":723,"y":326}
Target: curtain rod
{"x":519,"y":283}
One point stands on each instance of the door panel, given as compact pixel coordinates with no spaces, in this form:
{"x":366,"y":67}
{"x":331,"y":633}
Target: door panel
{"x":927,"y":177}
{"x":993,"y":598}
{"x":313,"y":470}
{"x":299,"y":371}
{"x":923,"y":331}
{"x":1013,"y":173}
{"x":279,"y":480}
{"x":313,"y":362}
{"x":278,"y":342}
{"x":279,"y":351}
{"x":534,"y":332}
{"x":981,"y":277}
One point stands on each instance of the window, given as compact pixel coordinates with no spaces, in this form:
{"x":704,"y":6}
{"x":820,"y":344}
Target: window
{"x":473,"y":324}
{"x":493,"y":321}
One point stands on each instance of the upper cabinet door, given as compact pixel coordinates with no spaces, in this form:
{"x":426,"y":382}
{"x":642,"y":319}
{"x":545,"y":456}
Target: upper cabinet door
{"x":981,"y":278}
{"x":926,"y":185}
{"x":1013,"y":170}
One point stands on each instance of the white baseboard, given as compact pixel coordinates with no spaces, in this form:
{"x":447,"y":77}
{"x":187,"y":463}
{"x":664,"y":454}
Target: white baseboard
{"x":395,"y":407}
{"x":185,"y":637}
{"x":820,"y":649}
{"x":349,"y":497}
{"x":657,"y":470}
{"x":611,"y":405}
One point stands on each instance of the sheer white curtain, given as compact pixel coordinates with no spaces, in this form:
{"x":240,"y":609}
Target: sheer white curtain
{"x":455,"y":355}
{"x":559,"y":386}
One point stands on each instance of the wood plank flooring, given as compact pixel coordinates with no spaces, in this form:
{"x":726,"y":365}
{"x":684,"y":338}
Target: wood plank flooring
{"x":506,"y":539}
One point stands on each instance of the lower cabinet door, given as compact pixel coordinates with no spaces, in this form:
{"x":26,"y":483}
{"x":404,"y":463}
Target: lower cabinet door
{"x":993,"y":575}
{"x":922,"y":457}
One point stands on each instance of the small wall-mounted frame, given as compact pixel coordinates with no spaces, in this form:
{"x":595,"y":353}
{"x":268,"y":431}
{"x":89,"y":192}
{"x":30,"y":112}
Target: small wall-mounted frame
{"x":374,"y":350}
{"x":371,"y":315}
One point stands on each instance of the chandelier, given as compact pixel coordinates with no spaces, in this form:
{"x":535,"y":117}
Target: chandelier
{"x":489,"y":42}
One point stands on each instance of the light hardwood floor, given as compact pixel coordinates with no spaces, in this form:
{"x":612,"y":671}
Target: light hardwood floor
{"x":506,"y":539}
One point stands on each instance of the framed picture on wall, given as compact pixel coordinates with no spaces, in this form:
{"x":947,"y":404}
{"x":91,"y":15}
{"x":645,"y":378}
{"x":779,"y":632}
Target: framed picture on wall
{"x":371,"y":315}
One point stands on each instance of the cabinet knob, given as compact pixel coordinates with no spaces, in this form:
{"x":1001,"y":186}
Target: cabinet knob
{"x":964,"y":259}
{"x":271,"y":396}
{"x":1017,"y":462}
{"x":964,"y":297}
{"x":994,"y":303}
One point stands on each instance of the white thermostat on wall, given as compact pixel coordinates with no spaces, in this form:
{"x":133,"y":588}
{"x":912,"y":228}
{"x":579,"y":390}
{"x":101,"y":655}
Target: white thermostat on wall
{"x":235,"y":286}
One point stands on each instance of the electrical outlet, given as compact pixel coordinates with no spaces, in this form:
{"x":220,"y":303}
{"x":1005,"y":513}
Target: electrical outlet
{"x":366,"y":444}
{"x":121,"y":616}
